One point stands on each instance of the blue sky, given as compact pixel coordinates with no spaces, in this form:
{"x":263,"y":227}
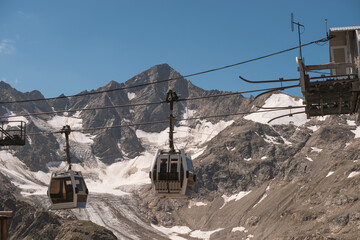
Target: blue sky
{"x":69,"y":46}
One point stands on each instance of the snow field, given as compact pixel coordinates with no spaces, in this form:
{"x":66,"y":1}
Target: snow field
{"x":99,"y":177}
{"x":57,"y":123}
{"x":192,"y":140}
{"x":125,"y":174}
{"x":14,"y":121}
{"x":280,"y":100}
{"x":173,"y":232}
{"x":31,"y":183}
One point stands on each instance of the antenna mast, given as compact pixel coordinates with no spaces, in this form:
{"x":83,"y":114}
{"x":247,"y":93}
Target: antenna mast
{"x":292,"y":29}
{"x":327,"y":34}
{"x":171,"y":97}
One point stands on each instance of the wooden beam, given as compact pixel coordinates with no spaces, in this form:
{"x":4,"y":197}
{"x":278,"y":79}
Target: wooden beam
{"x":327,"y":66}
{"x":4,"y":216}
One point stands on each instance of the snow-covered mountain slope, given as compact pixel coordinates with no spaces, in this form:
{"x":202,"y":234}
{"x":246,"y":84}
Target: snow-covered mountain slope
{"x":111,"y":186}
{"x":292,"y":177}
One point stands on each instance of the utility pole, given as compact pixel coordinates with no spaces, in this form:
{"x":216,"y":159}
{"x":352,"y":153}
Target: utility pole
{"x":299,"y":33}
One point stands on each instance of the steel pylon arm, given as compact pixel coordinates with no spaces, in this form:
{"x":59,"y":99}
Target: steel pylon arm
{"x":271,"y":81}
{"x":12,"y":137}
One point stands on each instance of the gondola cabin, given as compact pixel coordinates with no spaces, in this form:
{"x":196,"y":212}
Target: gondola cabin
{"x":172,"y":174}
{"x":67,"y":190}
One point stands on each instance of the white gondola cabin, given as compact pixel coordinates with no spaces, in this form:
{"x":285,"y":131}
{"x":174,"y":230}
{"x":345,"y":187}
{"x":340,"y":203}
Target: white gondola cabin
{"x":172,"y":174}
{"x":67,"y":190}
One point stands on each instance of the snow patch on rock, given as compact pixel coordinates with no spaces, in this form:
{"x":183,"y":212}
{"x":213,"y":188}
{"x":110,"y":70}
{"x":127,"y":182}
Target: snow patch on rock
{"x":315,"y":149}
{"x":239,"y":229}
{"x":131,"y":95}
{"x":263,"y":196}
{"x":350,"y":123}
{"x":353,"y":174}
{"x":204,"y":234}
{"x":173,"y":232}
{"x":313,"y":128}
{"x":197,"y":204}
{"x":270,"y":139}
{"x":356,"y":132}
{"x":235,"y":197}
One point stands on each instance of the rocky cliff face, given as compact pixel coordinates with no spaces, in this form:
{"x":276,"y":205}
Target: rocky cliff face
{"x":295,"y":179}
{"x":272,"y":182}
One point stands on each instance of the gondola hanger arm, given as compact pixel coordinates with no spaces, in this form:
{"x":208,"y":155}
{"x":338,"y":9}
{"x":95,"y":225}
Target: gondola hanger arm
{"x":280,"y":108}
{"x":271,"y":81}
{"x":276,"y":89}
{"x":285,"y":115}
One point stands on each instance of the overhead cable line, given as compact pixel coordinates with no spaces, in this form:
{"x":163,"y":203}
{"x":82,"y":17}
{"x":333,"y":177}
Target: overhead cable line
{"x":100,"y":128}
{"x":148,"y":103}
{"x":155,"y":122}
{"x":165,"y":80}
{"x":84,"y":109}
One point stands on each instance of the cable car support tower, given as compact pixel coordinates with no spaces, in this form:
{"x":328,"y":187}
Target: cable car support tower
{"x":171,"y":97}
{"x":67,"y":130}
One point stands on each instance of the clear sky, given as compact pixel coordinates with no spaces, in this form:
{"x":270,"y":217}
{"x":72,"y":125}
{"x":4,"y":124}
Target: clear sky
{"x":69,"y":46}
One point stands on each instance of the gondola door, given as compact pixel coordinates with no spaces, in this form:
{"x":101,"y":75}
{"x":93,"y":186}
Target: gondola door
{"x":161,"y":184}
{"x":174,"y":174}
{"x":62,"y":191}
{"x":81,"y":192}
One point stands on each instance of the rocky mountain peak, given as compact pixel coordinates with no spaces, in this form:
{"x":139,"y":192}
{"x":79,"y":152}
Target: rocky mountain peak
{"x":112,"y":85}
{"x":153,"y":74}
{"x":4,"y":85}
